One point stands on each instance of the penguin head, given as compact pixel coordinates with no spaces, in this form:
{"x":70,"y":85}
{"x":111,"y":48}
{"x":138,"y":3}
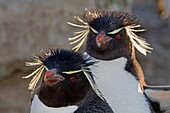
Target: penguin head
{"x":65,"y":77}
{"x":107,"y":39}
{"x":65,"y":67}
{"x":110,"y":34}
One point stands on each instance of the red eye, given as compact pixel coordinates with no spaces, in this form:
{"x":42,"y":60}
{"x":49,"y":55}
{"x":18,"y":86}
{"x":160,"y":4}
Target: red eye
{"x":73,"y":79}
{"x":118,"y":36}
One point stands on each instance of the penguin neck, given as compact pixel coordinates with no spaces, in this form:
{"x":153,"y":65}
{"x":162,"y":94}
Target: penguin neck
{"x":93,"y":102}
{"x":129,"y":64}
{"x":49,"y":100}
{"x":61,"y":96}
{"x":52,"y":97}
{"x":38,"y":107}
{"x":89,"y":98}
{"x":120,"y":82}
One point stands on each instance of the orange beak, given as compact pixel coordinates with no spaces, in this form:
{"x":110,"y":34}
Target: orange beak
{"x":51,"y":77}
{"x":101,"y":39}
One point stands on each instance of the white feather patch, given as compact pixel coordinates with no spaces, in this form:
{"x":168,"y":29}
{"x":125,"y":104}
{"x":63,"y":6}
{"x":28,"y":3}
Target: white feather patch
{"x":119,"y":87}
{"x":38,"y":107}
{"x":93,"y":85}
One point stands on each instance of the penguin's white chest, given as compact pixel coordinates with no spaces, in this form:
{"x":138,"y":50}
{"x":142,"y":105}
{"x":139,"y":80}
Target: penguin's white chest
{"x":120,"y":88}
{"x":38,"y":107}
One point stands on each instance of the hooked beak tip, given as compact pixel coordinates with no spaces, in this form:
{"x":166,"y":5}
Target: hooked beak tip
{"x":101,"y":39}
{"x":52,"y":77}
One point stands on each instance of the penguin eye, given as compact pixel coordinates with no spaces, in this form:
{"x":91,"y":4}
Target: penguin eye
{"x":118,"y":36}
{"x":73,"y":79}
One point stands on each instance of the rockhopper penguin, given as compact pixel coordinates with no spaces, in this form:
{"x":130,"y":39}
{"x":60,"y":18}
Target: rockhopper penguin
{"x":109,"y":37}
{"x":67,"y":84}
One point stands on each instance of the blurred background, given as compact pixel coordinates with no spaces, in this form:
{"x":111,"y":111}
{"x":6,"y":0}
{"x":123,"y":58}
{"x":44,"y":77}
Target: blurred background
{"x":27,"y":26}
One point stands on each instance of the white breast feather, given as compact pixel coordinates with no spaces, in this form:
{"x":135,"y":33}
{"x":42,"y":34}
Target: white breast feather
{"x":120,"y":88}
{"x":38,"y":107}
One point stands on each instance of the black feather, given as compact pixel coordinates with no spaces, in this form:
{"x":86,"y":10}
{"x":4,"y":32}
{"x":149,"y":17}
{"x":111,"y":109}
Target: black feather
{"x":65,"y":60}
{"x":108,"y":20}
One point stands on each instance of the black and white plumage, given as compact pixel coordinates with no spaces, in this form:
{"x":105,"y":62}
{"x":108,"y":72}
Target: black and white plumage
{"x":109,"y":36}
{"x":64,"y":87}
{"x":159,"y":97}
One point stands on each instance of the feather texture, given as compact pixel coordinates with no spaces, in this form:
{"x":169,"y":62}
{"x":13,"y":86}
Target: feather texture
{"x":125,"y":20}
{"x":80,"y":35}
{"x":82,"y":62}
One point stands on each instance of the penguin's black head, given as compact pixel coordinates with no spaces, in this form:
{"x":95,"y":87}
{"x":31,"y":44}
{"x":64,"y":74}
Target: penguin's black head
{"x":64,"y":82}
{"x":110,"y":33}
{"x":65,"y":64}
